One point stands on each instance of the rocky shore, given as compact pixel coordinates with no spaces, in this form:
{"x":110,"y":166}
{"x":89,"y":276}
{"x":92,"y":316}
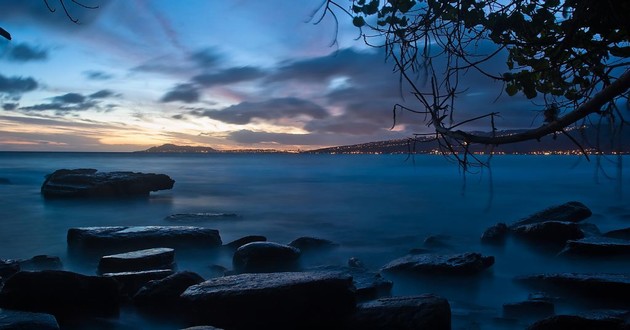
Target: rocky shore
{"x":267,"y":287}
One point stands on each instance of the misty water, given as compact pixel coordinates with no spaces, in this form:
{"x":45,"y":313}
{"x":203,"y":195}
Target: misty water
{"x":377,"y":207}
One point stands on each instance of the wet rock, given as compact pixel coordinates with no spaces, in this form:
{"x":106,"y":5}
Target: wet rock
{"x":91,"y":183}
{"x":235,"y":244}
{"x":265,"y":257}
{"x":18,"y":320}
{"x":598,"y":320}
{"x":307,"y":244}
{"x":199,"y":217}
{"x":529,"y":309}
{"x":437,"y":241}
{"x":619,"y":233}
{"x":597,"y":246}
{"x":164,"y":293}
{"x":60,"y":293}
{"x":272,"y":300}
{"x":370,"y":285}
{"x":568,"y":212}
{"x":131,"y":282}
{"x":156,"y":258}
{"x":121,"y":238}
{"x":589,"y":229}
{"x":603,"y":287}
{"x":203,"y":327}
{"x":8,"y":267}
{"x":556,"y":232}
{"x":412,"y":312}
{"x":355,"y":263}
{"x":41,"y":262}
{"x":496,"y":234}
{"x":454,"y":264}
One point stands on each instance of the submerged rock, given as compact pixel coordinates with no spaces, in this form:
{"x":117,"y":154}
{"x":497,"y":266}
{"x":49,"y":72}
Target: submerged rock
{"x":619,"y":233}
{"x":604,"y":287}
{"x":199,"y":217}
{"x":307,"y":244}
{"x":567,"y":212}
{"x":156,"y":258}
{"x":412,"y":312}
{"x":496,"y":234}
{"x":597,"y":246}
{"x":369,"y":285}
{"x":18,"y":320}
{"x":454,"y":264}
{"x":61,"y":293}
{"x":600,"y":320}
{"x":131,"y":282}
{"x":237,"y":243}
{"x":529,"y":309}
{"x":89,"y":183}
{"x":272,"y":300}
{"x":41,"y":262}
{"x":164,"y":293}
{"x":265,"y":257}
{"x":5,"y":181}
{"x":557,"y":232}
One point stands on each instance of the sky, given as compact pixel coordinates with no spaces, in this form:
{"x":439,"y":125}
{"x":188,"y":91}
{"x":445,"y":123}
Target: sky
{"x":226,"y":74}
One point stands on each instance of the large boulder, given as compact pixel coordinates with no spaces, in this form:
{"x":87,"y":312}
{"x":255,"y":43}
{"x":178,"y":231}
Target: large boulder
{"x":553,"y":232}
{"x":607,"y":288}
{"x":567,"y":212}
{"x":413,"y":312}
{"x":496,"y":234}
{"x":265,"y":257}
{"x":597,"y":246}
{"x":61,"y":293}
{"x":156,"y":258}
{"x":89,"y":183}
{"x":286,"y":300}
{"x":164,"y":293}
{"x":453,"y":264}
{"x":18,"y":320}
{"x":237,"y":243}
{"x":41,"y":262}
{"x":131,"y":282}
{"x":121,"y":238}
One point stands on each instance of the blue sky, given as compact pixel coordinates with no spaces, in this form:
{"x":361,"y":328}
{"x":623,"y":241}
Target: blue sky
{"x":226,"y":74}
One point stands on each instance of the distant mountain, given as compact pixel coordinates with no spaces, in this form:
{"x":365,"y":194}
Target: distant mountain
{"x":172,"y":148}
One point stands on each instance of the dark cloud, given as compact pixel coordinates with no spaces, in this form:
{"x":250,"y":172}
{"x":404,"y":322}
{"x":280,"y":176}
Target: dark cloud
{"x":270,"y":110}
{"x":69,"y":98}
{"x":104,"y":93}
{"x":97,"y":75}
{"x":248,"y":137}
{"x":187,"y":93}
{"x":229,"y":76}
{"x":22,"y":52}
{"x":206,"y":58}
{"x":74,"y":102}
{"x":17,"y":85}
{"x":10,"y":106}
{"x":62,"y":107}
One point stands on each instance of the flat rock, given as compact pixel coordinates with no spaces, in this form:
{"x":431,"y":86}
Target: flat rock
{"x":289,"y":300}
{"x":131,"y":282}
{"x":237,"y":243}
{"x":412,"y":312}
{"x":599,"y":320}
{"x":597,"y":246}
{"x":121,"y":238}
{"x":308,"y":244}
{"x":496,"y":234}
{"x":619,"y":233}
{"x":80,"y":183}
{"x":18,"y":320}
{"x":529,"y":309}
{"x":199,"y":217}
{"x":41,"y":262}
{"x":156,"y":258}
{"x":453,"y":264}
{"x":165,"y":292}
{"x":567,"y":212}
{"x":370,"y":285}
{"x":605,"y":287}
{"x":557,"y":232}
{"x":60,"y":293}
{"x":265,"y":257}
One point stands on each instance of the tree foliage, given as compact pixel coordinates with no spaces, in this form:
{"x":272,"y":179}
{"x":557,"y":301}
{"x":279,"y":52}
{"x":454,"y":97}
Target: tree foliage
{"x":573,"y":54}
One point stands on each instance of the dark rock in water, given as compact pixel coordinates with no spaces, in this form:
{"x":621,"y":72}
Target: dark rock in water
{"x":437,"y":241}
{"x":313,"y":300}
{"x":235,"y":244}
{"x":17,"y":320}
{"x":164,"y":293}
{"x":61,"y":293}
{"x":529,"y":309}
{"x":496,"y":234}
{"x":89,"y":183}
{"x":131,"y":282}
{"x":42,"y":262}
{"x":203,"y":327}
{"x":5,"y":181}
{"x":557,"y":232}
{"x":265,"y":257}
{"x":602,"y":320}
{"x":355,"y":263}
{"x":8,"y":267}
{"x":604,"y":287}
{"x":619,"y":233}
{"x":413,"y":312}
{"x":369,"y":285}
{"x":568,"y":212}
{"x":199,"y":217}
{"x":307,"y":244}
{"x":597,"y":246}
{"x":121,"y":238}
{"x":156,"y":258}
{"x":589,"y":229}
{"x":454,"y":264}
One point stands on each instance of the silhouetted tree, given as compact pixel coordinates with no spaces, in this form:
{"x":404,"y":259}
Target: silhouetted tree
{"x":573,"y":54}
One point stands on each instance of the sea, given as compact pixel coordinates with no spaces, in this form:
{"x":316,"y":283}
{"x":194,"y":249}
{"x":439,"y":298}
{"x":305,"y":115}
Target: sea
{"x":376,"y":207}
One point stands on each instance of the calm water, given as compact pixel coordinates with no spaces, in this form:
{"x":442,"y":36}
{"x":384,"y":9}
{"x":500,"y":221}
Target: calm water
{"x":377,"y":207}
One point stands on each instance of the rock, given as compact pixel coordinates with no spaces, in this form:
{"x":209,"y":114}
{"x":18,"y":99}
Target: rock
{"x":369,"y":285}
{"x":597,"y":246}
{"x":156,"y":258}
{"x":199,"y":217}
{"x":60,"y":293}
{"x":8,"y":267}
{"x":455,"y":264}
{"x":413,"y":312}
{"x":272,"y":300}
{"x":89,"y":183}
{"x":308,"y":244}
{"x":567,"y":212}
{"x":496,"y":234}
{"x":18,"y":320}
{"x":605,"y":287}
{"x":437,"y":241}
{"x":41,"y":262}
{"x":265,"y":257}
{"x":218,"y":271}
{"x":131,"y":282}
{"x":244,"y":240}
{"x":355,"y":263}
{"x":122,"y":238}
{"x":599,"y":321}
{"x":164,"y":293}
{"x":529,"y":309}
{"x":619,"y":233}
{"x":556,"y":232}
{"x":203,"y":327}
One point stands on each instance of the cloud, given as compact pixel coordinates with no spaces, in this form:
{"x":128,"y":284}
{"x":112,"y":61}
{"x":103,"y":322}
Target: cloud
{"x":270,"y":110}
{"x":206,"y":58}
{"x":73,"y":102}
{"x":10,"y":106}
{"x":17,"y":85}
{"x":97,"y":75}
{"x":187,"y":93}
{"x":229,"y":76}
{"x":22,"y":52}
{"x":104,"y":93}
{"x":69,"y":98}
